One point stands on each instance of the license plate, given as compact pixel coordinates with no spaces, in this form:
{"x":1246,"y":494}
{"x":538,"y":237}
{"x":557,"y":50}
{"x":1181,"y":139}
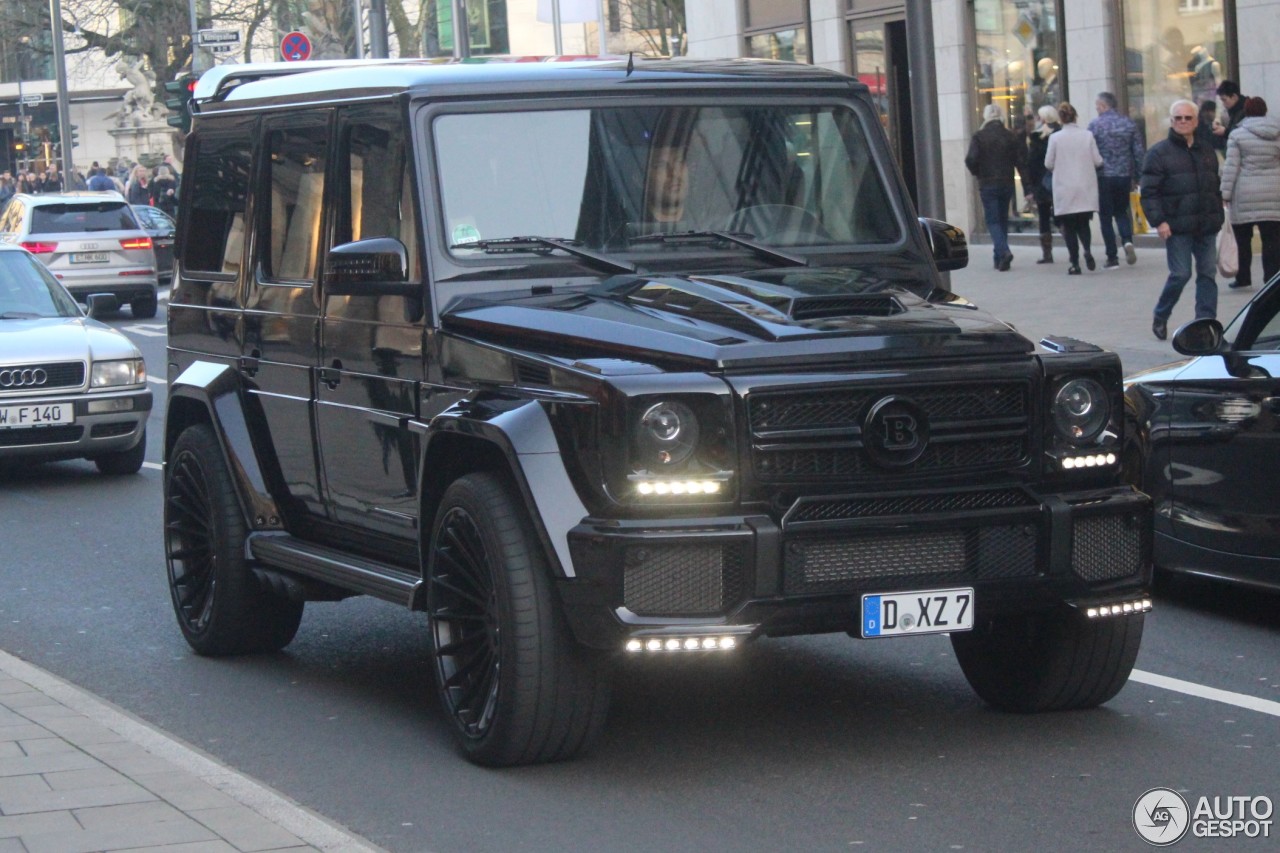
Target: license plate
{"x":932,"y":611}
{"x":36,"y":415}
{"x":89,"y":257}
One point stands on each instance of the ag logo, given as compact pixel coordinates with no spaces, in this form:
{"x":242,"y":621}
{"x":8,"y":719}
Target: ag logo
{"x":895,"y":432}
{"x":1161,"y":817}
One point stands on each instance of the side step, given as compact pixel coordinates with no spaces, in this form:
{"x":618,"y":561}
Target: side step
{"x":358,"y":574}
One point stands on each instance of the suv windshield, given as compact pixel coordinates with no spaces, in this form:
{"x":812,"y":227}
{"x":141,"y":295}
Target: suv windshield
{"x":70,"y":218}
{"x":781,"y":175}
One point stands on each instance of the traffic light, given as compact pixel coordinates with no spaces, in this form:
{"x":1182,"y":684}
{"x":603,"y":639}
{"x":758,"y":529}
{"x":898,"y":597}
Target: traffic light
{"x":75,"y":137}
{"x":177,"y":97}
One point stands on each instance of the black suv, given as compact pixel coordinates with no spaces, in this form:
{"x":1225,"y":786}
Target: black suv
{"x":607,"y":358}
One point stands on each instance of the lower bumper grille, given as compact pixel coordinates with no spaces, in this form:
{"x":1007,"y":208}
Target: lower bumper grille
{"x":1108,"y":547}
{"x":833,"y":565}
{"x":683,"y":580}
{"x":42,"y":436}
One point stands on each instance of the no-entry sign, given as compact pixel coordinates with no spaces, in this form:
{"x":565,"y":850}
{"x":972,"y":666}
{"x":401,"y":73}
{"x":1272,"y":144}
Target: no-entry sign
{"x":295,"y":47}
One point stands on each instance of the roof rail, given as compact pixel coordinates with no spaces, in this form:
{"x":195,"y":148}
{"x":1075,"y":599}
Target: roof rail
{"x":216,"y":83}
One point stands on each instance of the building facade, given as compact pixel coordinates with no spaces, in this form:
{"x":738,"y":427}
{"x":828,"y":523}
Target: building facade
{"x":1018,"y":53}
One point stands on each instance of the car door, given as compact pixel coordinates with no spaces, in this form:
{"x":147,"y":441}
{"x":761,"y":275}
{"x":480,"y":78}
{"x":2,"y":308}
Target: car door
{"x":1224,"y":461}
{"x":281,"y":316}
{"x":371,"y":351}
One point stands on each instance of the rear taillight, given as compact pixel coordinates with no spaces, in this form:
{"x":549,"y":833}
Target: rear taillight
{"x":37,"y":248}
{"x":136,"y":243}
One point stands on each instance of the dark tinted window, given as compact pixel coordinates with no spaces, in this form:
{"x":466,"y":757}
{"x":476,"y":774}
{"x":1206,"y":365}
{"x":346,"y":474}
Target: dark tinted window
{"x":99,"y":216}
{"x":291,"y":216}
{"x":218,"y":184}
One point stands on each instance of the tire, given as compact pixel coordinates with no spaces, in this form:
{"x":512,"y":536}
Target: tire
{"x":144,"y":307}
{"x":1050,"y":660}
{"x":125,"y":461}
{"x":221,"y":606}
{"x":514,"y":684}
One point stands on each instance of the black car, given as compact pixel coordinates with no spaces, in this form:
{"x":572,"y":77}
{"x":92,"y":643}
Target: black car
{"x":161,"y":227}
{"x":1204,"y":442}
{"x":596,"y":359}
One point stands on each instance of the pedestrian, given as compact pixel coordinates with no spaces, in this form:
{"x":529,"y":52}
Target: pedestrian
{"x":137,"y":190}
{"x":1074,"y":159}
{"x":27,"y":183}
{"x":1042,"y":189}
{"x":164,"y":191}
{"x":8,"y":186}
{"x":50,"y":181}
{"x":1182,"y":198}
{"x":994,"y":153}
{"x":1251,"y":189}
{"x":98,"y":180}
{"x":1232,"y":113}
{"x":1120,"y":145}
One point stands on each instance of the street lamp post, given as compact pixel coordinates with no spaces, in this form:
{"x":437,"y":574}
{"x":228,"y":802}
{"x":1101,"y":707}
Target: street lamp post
{"x":23,"y":130}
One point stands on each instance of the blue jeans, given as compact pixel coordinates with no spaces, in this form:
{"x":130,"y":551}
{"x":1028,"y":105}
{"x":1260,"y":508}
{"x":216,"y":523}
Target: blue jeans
{"x":1180,"y":249}
{"x":1113,"y":203}
{"x":995,"y":209}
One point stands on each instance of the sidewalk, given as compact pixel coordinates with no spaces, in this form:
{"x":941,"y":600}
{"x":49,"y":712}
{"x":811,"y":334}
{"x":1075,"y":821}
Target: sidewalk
{"x":79,"y":776}
{"x":1110,"y":308}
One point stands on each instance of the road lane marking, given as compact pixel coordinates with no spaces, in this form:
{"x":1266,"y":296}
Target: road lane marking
{"x":1240,"y":700}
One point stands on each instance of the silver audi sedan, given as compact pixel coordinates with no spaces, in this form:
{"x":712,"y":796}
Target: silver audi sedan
{"x":70,"y":386}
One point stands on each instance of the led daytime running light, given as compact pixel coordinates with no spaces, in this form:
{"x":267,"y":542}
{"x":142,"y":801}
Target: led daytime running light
{"x":663,"y":488}
{"x":682,"y":644}
{"x":1090,"y":460}
{"x":1120,"y":608}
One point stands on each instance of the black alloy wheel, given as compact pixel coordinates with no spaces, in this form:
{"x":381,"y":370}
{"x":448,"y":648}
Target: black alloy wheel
{"x":221,"y":607}
{"x":516,"y":686}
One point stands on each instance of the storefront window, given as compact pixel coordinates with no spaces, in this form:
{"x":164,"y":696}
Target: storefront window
{"x":1174,"y":49}
{"x":790,"y":45}
{"x":1018,"y":56}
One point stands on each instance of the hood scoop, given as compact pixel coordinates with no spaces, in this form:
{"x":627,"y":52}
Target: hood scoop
{"x":854,"y":305}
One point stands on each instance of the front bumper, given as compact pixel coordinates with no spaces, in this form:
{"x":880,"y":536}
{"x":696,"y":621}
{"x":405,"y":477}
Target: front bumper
{"x":105,"y":422}
{"x":805,"y":573}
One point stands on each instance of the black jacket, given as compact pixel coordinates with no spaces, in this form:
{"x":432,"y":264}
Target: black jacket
{"x":994,"y":152}
{"x":1037,"y":147}
{"x":1180,"y":186}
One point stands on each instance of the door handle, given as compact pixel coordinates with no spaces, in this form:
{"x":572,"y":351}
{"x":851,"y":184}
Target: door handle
{"x":332,"y":375}
{"x":249,"y":363}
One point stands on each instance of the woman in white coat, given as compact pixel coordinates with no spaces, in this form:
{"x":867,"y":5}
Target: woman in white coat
{"x":1074,"y":159}
{"x":1251,"y":188}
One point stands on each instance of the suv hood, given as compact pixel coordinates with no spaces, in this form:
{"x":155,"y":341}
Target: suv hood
{"x":791,"y":316}
{"x":61,"y":339}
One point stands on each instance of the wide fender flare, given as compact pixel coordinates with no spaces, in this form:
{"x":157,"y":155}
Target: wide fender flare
{"x":208,"y":392}
{"x":521,"y":433}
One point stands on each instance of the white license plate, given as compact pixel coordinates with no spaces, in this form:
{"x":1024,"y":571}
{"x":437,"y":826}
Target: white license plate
{"x":36,"y":415}
{"x":932,"y":611}
{"x":90,"y":257}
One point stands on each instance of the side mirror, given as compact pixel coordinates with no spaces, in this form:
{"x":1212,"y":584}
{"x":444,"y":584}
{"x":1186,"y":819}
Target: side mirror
{"x":1199,"y":337}
{"x":373,"y":267}
{"x":102,"y":304}
{"x":947,"y":242}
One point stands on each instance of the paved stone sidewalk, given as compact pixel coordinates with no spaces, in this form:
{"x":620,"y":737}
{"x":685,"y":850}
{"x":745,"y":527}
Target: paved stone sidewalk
{"x":79,"y":776}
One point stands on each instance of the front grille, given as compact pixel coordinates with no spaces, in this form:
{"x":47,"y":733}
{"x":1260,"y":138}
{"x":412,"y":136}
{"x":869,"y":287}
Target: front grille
{"x":683,"y":580}
{"x":61,"y":374}
{"x":817,"y":434}
{"x":844,"y":509}
{"x":1107,"y":547}
{"x":44,"y":435}
{"x":833,"y":565}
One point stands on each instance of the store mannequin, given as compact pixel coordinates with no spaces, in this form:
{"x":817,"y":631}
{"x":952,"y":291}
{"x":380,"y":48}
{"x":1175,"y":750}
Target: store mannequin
{"x":1047,"y":72}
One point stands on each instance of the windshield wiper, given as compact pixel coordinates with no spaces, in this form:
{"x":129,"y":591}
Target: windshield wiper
{"x":705,"y":237}
{"x":543,"y":244}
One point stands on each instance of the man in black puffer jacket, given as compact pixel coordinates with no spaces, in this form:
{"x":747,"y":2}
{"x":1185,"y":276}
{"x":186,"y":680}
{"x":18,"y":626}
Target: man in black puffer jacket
{"x":1181,"y":199}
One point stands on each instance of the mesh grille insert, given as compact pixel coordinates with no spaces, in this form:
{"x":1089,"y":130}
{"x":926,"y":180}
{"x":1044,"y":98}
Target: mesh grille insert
{"x":682,"y":580}
{"x":1106,"y":547}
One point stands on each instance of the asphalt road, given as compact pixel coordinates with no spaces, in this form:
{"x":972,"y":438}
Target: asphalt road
{"x":819,"y":743}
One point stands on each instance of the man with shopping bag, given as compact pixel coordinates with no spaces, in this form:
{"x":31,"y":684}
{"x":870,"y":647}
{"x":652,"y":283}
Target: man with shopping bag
{"x":1181,"y":199}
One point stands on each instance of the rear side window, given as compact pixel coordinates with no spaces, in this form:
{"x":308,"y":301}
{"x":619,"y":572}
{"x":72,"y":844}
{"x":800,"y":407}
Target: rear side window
{"x":217,"y":186}
{"x":72,"y":218}
{"x":291,"y":219}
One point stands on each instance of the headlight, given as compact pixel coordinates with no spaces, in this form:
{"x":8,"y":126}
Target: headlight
{"x":1081,"y":410}
{"x":667,"y":435}
{"x":130,"y":371}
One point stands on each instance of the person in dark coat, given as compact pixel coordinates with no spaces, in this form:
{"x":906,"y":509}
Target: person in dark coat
{"x":1038,"y":144}
{"x":994,"y":153}
{"x":164,"y":191}
{"x":1183,"y":202}
{"x":1233,"y":101}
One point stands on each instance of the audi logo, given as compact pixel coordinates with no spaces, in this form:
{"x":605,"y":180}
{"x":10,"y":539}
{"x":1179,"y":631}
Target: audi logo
{"x":24,"y":377}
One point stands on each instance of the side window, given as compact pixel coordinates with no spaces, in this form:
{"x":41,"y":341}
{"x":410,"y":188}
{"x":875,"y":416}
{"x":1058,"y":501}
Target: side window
{"x":291,"y":218}
{"x":377,"y":194}
{"x":217,"y":186}
{"x":11,"y":221}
